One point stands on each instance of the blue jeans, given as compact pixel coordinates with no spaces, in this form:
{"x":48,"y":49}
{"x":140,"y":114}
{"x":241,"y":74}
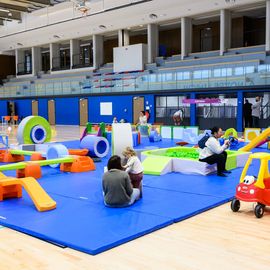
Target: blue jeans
{"x":135,"y":196}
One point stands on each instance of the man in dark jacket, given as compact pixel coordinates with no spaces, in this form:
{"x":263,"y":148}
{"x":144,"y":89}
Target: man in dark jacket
{"x":248,"y":114}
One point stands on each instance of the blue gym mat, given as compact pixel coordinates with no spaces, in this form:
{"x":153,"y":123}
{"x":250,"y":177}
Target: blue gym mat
{"x":81,"y":221}
{"x":80,"y":225}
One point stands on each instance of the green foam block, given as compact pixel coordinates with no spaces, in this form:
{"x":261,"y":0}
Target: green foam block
{"x":155,"y":165}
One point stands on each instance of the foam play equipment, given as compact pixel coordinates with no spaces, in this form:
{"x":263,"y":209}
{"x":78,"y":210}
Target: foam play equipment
{"x":56,"y":151}
{"x":12,"y":188}
{"x":257,"y":140}
{"x":185,"y":160}
{"x":121,"y":138}
{"x":231,"y":132}
{"x":34,"y":129}
{"x":97,"y":146}
{"x":251,"y":133}
{"x":154,"y":136}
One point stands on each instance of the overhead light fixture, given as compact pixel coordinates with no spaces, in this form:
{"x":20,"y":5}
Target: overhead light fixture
{"x":102,"y":27}
{"x":19,"y":44}
{"x":9,"y":14}
{"x":230,"y":1}
{"x":153,"y":16}
{"x":56,"y":36}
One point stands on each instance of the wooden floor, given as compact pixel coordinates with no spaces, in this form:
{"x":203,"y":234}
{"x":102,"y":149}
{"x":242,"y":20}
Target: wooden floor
{"x":217,"y":239}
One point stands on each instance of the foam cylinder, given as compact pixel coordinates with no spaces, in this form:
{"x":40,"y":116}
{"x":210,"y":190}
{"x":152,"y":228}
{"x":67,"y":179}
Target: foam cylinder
{"x":56,"y":151}
{"x":97,"y":146}
{"x":34,"y":129}
{"x":38,"y":134}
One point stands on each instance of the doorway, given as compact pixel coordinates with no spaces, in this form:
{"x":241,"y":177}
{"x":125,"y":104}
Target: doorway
{"x":51,"y":112}
{"x":34,"y":107}
{"x":206,"y":39}
{"x":138,"y":105}
{"x":83,"y":111}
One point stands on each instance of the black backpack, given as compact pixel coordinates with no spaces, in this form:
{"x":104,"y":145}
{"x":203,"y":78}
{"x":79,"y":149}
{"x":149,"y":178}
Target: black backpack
{"x":203,"y":140}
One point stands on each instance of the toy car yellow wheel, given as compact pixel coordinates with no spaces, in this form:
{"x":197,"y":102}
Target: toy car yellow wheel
{"x":259,"y":210}
{"x":235,"y":205}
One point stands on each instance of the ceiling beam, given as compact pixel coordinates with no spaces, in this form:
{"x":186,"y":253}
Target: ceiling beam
{"x":40,"y":2}
{"x":15,"y":15}
{"x":13,"y":7}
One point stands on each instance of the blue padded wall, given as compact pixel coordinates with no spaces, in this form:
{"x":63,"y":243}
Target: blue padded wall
{"x":67,"y":111}
{"x":23,"y":107}
{"x":43,"y":108}
{"x":3,"y":108}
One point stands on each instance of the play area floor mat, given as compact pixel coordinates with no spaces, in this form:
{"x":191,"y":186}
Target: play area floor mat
{"x":81,"y":220}
{"x":78,"y":224}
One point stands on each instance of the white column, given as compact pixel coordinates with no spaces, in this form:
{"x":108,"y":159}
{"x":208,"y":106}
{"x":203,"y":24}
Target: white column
{"x":19,"y":55}
{"x":54,"y":52}
{"x":123,"y":37}
{"x":74,"y":51}
{"x":152,"y":42}
{"x":267,"y":34}
{"x":186,"y":36}
{"x":98,"y":51}
{"x":225,"y":30}
{"x":36,"y":60}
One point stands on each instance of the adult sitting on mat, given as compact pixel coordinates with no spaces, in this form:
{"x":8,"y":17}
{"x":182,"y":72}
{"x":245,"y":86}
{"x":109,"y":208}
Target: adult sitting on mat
{"x":214,"y":153}
{"x":117,"y":188}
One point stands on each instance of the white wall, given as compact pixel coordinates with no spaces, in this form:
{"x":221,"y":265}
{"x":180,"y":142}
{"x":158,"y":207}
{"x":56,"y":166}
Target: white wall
{"x":129,"y":58}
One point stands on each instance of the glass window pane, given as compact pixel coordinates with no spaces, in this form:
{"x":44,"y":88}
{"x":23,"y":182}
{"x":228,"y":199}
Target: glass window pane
{"x":172,"y":101}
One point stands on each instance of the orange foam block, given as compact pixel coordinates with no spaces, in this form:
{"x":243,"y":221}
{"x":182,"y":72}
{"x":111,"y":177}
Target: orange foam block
{"x":80,"y":164}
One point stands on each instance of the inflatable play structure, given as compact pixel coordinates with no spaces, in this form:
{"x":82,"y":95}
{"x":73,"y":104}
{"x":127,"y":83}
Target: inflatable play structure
{"x":12,"y":188}
{"x":185,"y":160}
{"x":254,"y":188}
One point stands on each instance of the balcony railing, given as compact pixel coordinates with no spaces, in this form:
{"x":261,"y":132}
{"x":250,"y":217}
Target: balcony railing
{"x":166,"y":81}
{"x":59,"y":63}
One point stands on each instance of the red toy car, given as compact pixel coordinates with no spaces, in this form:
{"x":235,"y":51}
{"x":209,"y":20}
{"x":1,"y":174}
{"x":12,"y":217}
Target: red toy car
{"x":253,"y":189}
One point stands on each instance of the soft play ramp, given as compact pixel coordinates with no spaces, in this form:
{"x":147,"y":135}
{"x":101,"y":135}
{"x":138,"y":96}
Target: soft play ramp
{"x":157,"y":165}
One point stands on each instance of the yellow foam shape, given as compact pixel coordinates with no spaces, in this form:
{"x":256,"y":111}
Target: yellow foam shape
{"x":251,"y":135}
{"x":264,"y":135}
{"x":41,"y":199}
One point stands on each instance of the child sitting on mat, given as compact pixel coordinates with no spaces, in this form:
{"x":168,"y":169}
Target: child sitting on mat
{"x":134,"y":168}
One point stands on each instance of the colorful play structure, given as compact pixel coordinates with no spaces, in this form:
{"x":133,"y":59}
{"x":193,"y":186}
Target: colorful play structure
{"x":256,"y":139}
{"x":12,"y":188}
{"x":185,"y":160}
{"x":254,"y":189}
{"x":34,"y":133}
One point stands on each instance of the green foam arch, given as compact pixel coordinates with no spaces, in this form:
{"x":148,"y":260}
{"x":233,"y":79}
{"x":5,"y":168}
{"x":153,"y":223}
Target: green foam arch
{"x":230,"y":131}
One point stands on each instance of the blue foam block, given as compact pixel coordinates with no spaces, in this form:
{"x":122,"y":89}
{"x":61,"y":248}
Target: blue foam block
{"x":80,"y":225}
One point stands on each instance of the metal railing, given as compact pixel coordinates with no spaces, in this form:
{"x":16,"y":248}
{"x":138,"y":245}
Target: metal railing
{"x":177,"y":80}
{"x":80,"y":62}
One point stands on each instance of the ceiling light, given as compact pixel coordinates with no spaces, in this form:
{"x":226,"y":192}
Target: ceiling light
{"x":230,"y":1}
{"x":56,"y":36}
{"x":153,"y":16}
{"x":19,"y":44}
{"x":9,"y":14}
{"x":141,"y":25}
{"x":102,"y":27}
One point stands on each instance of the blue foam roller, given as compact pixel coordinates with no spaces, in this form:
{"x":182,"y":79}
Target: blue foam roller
{"x":135,"y":139}
{"x":97,"y":146}
{"x":56,"y":151}
{"x":38,"y":134}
